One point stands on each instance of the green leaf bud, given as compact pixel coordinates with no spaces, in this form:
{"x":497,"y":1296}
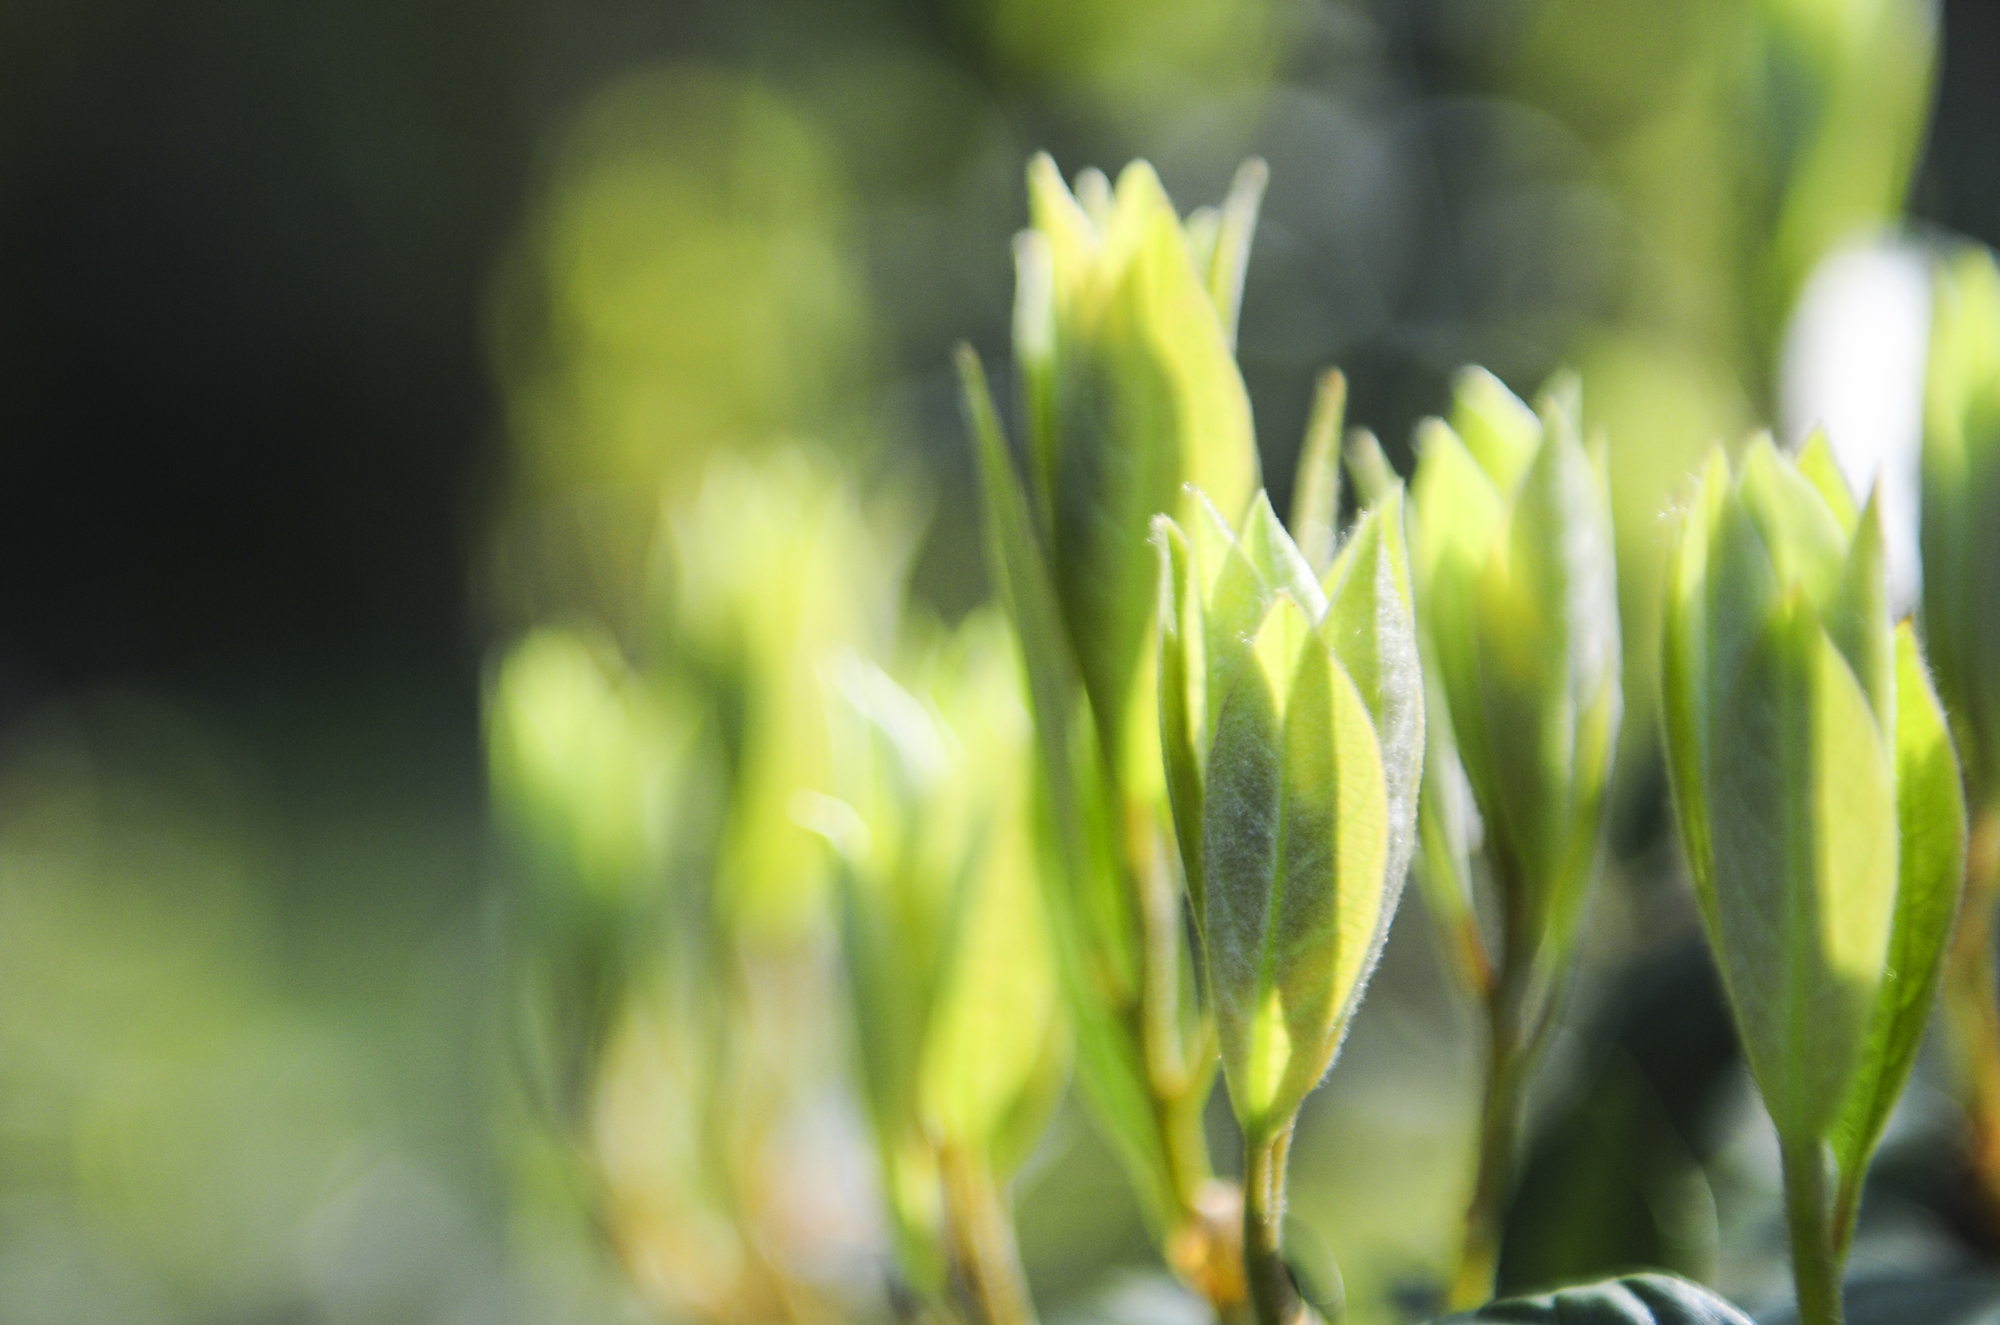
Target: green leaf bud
{"x":1124,"y":330}
{"x":1816,"y":792}
{"x":961,"y":1040}
{"x":1518,"y":593}
{"x":1961,"y":496}
{"x":1124,"y":336}
{"x":1291,"y":713}
{"x":586,"y":762}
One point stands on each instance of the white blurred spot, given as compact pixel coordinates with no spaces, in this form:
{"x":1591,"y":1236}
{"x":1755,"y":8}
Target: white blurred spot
{"x":1854,"y":361}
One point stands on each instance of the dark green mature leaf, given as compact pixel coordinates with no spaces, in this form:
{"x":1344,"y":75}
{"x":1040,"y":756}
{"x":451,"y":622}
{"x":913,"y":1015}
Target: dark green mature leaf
{"x":1931,"y":820}
{"x":1640,"y":1299}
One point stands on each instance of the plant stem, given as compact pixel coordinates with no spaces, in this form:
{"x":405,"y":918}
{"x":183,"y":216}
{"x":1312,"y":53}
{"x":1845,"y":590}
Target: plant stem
{"x":1272,"y":1295}
{"x":1499,"y":1127}
{"x":982,"y":1241}
{"x":1203,"y":1245}
{"x":1809,"y":1213}
{"x":1515,"y":1040}
{"x":1972,"y":1007}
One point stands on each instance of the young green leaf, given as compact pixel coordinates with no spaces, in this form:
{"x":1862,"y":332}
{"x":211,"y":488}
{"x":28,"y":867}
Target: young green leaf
{"x":1545,"y":629}
{"x":1931,"y":827}
{"x":1182,"y":718}
{"x":1817,"y":795}
{"x":1961,"y":491}
{"x":1316,"y":487}
{"x":1090,"y":913}
{"x":1368,"y":467}
{"x":1371,"y":627}
{"x":1295,"y":840}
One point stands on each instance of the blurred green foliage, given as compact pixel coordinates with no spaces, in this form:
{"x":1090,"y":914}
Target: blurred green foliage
{"x":313,"y":1035}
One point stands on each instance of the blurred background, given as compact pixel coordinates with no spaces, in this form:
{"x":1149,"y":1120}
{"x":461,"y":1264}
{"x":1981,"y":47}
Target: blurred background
{"x":340,"y":343}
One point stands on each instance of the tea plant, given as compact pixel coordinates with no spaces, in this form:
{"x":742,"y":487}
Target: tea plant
{"x":1124,"y":327}
{"x":1818,"y":800}
{"x":1961,"y":553}
{"x":1520,"y":619}
{"x":1291,"y":717}
{"x":962,"y":1053}
{"x":1150,"y":815}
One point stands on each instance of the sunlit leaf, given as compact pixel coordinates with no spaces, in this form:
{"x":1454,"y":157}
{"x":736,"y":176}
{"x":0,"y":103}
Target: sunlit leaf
{"x":1316,"y":487}
{"x":1498,"y":429}
{"x":1089,"y":912}
{"x":1182,"y":721}
{"x":1931,"y":828}
{"x":1371,"y":627}
{"x":1296,"y":844}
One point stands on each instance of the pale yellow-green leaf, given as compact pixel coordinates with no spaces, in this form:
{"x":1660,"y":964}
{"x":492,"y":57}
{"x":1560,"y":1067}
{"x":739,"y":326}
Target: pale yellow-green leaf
{"x":1370,"y":626}
{"x":1931,"y":822}
{"x":1182,"y":726}
{"x":1316,"y":486}
{"x":1818,"y":467}
{"x":1498,"y":429}
{"x":1799,"y":531}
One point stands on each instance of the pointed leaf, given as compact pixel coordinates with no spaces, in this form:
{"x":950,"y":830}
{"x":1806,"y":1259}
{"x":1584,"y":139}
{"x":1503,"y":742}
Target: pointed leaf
{"x":1499,"y":431}
{"x":1278,"y":560}
{"x":1316,"y":488}
{"x":1181,"y":722}
{"x":1818,"y":467}
{"x":1370,"y":469}
{"x":1931,"y":821}
{"x":1961,"y":492}
{"x":1074,"y":241}
{"x":1229,"y":257}
{"x":1802,"y":806}
{"x":1297,"y":847}
{"x":1238,"y":595}
{"x":1088,"y":909}
{"x":1459,"y":518}
{"x":1685,"y":674}
{"x":1547,"y":639}
{"x":1150,"y":399}
{"x":1242,"y":825}
{"x":1035,"y":340}
{"x":1800,"y":533}
{"x":1370,"y":625}
{"x":1857,"y":617}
